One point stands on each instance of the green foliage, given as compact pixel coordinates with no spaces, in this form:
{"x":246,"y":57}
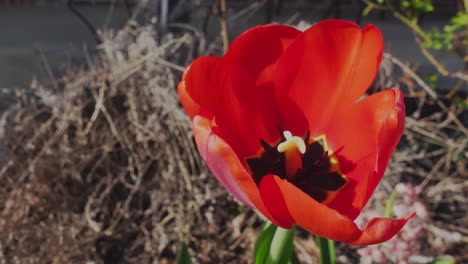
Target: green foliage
{"x":461,"y":102}
{"x":327,"y":250}
{"x":443,"y":39}
{"x":457,"y":22}
{"x":431,"y":80}
{"x":438,"y":40}
{"x":262,"y":245}
{"x":275,"y":245}
{"x":294,"y":258}
{"x":451,"y":37}
{"x":184,"y":256}
{"x":443,"y":260}
{"x":240,"y":209}
{"x":417,"y":6}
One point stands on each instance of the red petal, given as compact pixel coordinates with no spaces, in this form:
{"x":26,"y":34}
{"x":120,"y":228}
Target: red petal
{"x":226,"y":166}
{"x":379,"y":230}
{"x":289,"y":205}
{"x":200,"y":79}
{"x":364,"y":137}
{"x":258,"y":49}
{"x":329,"y":65}
{"x":229,"y":88}
{"x":190,"y":106}
{"x":256,"y":52}
{"x":291,"y":116}
{"x":246,"y":113}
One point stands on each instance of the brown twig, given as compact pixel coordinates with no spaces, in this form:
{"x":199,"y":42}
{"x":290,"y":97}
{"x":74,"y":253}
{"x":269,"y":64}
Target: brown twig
{"x":439,"y":66}
{"x":427,"y":89}
{"x":86,"y":22}
{"x":223,"y":23}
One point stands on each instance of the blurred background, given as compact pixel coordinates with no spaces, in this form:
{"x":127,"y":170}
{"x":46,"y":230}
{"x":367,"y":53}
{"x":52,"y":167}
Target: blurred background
{"x":97,"y":160}
{"x":61,"y":29}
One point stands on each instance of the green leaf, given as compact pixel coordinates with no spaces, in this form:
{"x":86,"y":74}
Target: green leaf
{"x":460,"y":20}
{"x":460,"y":102}
{"x":443,"y":260}
{"x":294,"y":259}
{"x":240,"y":209}
{"x":405,"y":4}
{"x":184,"y":256}
{"x":431,"y":80}
{"x":327,"y":250}
{"x":366,"y":11}
{"x":262,"y":245}
{"x":274,"y":245}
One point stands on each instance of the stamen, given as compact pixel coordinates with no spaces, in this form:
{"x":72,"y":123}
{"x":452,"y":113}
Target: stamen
{"x":306,"y":162}
{"x":267,"y":147}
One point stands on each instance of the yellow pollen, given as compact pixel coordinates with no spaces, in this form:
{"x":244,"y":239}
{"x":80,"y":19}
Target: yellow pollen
{"x":293,"y":148}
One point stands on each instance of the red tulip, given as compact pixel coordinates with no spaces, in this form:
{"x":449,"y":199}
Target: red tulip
{"x":280,"y":122}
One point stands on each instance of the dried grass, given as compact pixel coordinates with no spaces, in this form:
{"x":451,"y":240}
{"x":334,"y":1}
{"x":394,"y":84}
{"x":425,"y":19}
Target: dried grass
{"x":103,"y":167}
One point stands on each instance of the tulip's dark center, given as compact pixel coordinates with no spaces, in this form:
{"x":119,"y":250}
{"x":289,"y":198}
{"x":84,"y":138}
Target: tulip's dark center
{"x":306,"y":163}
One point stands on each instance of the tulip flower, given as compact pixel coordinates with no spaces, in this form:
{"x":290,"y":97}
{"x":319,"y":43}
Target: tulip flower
{"x":281,"y":123}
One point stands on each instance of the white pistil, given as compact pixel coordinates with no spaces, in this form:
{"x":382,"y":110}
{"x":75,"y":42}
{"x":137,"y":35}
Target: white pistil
{"x":292,"y":142}
{"x":293,"y":148}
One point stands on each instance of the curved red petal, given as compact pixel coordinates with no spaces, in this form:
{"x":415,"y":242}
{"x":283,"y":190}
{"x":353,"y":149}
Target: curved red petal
{"x":246,"y":112}
{"x":289,"y":205}
{"x":199,"y":80}
{"x":258,"y":49}
{"x":226,"y":166}
{"x":190,"y":106}
{"x":238,"y":92}
{"x":290,"y":115}
{"x":213,"y":87}
{"x":329,"y":65}
{"x":364,"y":138}
{"x":379,"y":230}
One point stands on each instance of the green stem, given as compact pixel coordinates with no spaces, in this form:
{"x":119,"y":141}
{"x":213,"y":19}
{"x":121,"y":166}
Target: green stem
{"x":389,"y":204}
{"x":275,"y":245}
{"x":411,"y":24}
{"x":281,"y":247}
{"x":327,"y":250}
